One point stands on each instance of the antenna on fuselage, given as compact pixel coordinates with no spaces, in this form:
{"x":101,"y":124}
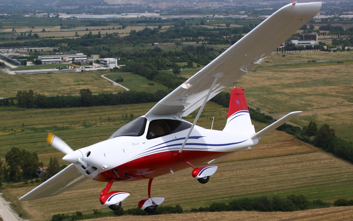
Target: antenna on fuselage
{"x":212,"y":123}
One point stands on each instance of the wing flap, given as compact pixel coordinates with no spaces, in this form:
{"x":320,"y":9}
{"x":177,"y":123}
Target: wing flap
{"x":237,"y":60}
{"x":62,"y":181}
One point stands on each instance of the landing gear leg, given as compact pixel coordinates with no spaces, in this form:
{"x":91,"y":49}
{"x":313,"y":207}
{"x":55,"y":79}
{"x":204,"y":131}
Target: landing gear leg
{"x":202,"y":173}
{"x":112,"y":199}
{"x":150,"y":204}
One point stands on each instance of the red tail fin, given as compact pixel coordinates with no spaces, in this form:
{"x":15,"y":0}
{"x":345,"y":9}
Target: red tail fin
{"x":237,"y":101}
{"x":239,"y":120}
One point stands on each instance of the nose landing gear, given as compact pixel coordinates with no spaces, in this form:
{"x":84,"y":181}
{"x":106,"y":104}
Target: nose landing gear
{"x":112,"y":199}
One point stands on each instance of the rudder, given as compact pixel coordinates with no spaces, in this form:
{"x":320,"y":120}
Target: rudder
{"x":239,"y":120}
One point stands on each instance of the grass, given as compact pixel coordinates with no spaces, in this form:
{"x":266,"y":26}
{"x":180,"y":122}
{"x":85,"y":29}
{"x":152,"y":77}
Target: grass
{"x":43,"y":66}
{"x":322,"y":92}
{"x":136,"y":82}
{"x":56,"y":83}
{"x":329,"y":214}
{"x":304,"y":57}
{"x":280,"y":164}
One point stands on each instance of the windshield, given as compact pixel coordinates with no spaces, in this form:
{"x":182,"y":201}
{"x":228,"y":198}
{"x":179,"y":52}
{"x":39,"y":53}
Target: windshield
{"x":159,"y":128}
{"x":134,"y":128}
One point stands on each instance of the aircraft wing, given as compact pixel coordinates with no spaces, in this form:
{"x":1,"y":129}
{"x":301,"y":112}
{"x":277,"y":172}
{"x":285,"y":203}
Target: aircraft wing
{"x":62,"y":181}
{"x":237,"y":60}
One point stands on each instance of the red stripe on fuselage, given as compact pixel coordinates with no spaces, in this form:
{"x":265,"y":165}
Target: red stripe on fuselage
{"x":158,"y":164}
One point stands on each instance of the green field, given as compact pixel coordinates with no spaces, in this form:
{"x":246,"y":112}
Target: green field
{"x":56,"y":83}
{"x":136,"y":82}
{"x":43,"y":66}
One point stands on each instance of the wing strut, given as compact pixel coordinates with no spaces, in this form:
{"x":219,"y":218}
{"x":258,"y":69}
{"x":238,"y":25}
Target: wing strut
{"x":216,"y":76}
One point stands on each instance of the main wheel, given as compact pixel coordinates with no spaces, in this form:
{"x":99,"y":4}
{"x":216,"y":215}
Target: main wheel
{"x":115,"y":206}
{"x":204,"y":179}
{"x":151,"y":209}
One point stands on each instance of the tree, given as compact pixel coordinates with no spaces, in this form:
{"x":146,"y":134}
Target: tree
{"x":37,"y":62}
{"x":29,"y":164}
{"x":54,"y":167}
{"x":312,"y":129}
{"x":227,"y":25}
{"x":43,"y":30}
{"x":86,"y":97}
{"x":13,"y":161}
{"x":35,"y":36}
{"x":325,"y":138}
{"x":176,"y":69}
{"x":99,"y":34}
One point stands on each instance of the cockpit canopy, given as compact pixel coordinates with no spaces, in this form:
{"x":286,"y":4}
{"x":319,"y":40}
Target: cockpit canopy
{"x":157,"y":128}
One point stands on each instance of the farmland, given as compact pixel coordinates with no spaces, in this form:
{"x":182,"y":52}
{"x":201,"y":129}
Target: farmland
{"x":56,"y":84}
{"x":279,"y":165}
{"x":322,"y":92}
{"x":137,"y":83}
{"x":344,"y":213}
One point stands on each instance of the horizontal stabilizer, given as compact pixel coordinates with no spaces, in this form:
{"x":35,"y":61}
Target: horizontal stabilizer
{"x":276,"y":124}
{"x":62,"y":181}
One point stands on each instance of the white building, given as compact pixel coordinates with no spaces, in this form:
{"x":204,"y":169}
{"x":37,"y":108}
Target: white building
{"x":306,"y":40}
{"x":57,"y":59}
{"x":109,"y":62}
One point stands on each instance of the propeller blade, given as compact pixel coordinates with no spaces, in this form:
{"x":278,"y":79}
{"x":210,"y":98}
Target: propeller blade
{"x":58,"y":144}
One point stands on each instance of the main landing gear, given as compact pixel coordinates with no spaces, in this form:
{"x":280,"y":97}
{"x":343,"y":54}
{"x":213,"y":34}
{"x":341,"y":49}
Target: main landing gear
{"x":202,"y":173}
{"x":150,"y":204}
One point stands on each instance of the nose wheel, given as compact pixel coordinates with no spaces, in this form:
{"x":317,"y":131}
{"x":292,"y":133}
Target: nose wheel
{"x":115,"y":206}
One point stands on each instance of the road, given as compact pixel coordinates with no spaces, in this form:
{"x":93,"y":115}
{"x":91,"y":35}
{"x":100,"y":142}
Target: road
{"x":114,"y":83}
{"x":8,"y":64}
{"x":6,"y":213}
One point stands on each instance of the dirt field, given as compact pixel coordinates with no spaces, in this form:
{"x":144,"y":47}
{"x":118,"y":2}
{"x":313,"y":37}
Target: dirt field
{"x":327,"y":214}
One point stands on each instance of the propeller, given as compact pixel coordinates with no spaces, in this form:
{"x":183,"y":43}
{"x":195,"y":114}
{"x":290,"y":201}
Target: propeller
{"x":71,"y":155}
{"x":58,"y":144}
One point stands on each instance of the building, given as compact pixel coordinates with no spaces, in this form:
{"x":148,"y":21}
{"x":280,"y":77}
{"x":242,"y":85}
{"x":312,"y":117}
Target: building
{"x":94,"y":56}
{"x":109,"y":62}
{"x":57,"y":59}
{"x":306,"y":40}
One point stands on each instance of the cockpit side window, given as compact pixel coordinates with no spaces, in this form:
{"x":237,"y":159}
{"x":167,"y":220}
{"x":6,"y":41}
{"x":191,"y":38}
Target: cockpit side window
{"x":134,"y":128}
{"x":159,"y":128}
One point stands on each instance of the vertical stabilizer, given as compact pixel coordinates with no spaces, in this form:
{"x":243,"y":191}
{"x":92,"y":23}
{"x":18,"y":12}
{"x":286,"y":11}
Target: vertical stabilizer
{"x":239,"y":120}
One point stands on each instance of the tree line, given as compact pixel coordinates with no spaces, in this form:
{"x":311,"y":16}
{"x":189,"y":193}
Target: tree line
{"x":31,"y":99}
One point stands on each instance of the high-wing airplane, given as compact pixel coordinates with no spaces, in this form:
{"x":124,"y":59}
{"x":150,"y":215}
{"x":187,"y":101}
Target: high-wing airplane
{"x":161,"y":142}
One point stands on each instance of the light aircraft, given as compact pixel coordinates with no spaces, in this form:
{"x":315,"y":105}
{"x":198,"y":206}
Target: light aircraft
{"x":161,"y":142}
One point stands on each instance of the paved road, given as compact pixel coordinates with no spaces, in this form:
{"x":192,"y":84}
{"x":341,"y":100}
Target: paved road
{"x":8,"y":64}
{"x":6,"y":213}
{"x":114,"y":83}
